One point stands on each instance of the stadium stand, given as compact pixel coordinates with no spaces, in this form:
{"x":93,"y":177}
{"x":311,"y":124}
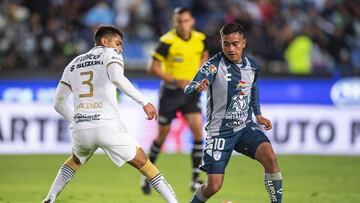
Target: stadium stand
{"x":311,"y":37}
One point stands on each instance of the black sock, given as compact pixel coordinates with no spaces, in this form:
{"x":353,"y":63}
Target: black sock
{"x":196,"y":156}
{"x":154,"y":152}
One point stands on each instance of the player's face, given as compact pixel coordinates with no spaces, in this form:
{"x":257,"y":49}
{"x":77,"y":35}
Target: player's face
{"x":113,"y":42}
{"x":233,"y":45}
{"x":183,"y":23}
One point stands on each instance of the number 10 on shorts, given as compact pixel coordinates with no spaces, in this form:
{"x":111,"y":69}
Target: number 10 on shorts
{"x":215,"y":143}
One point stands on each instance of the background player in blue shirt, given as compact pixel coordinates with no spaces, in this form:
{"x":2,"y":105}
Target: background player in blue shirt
{"x":232,"y":97}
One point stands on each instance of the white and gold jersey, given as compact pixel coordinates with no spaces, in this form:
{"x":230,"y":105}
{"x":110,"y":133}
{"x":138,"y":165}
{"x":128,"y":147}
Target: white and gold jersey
{"x":95,"y":102}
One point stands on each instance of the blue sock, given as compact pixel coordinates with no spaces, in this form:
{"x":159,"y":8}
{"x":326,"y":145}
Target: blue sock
{"x":273,"y":185}
{"x":198,"y":196}
{"x":195,"y":199}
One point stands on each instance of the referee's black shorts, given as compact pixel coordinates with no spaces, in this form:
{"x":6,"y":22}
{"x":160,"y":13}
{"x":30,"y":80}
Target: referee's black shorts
{"x":173,"y":100}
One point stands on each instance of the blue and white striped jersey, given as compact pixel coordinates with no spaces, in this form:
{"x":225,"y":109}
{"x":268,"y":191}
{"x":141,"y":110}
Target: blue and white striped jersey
{"x":232,"y":95}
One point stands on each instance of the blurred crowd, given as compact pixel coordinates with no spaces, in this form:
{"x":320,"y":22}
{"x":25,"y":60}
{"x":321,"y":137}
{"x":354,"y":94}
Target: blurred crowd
{"x":285,"y":36}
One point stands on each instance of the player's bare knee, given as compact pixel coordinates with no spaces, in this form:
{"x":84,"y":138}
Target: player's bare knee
{"x":270,"y":157}
{"x":271,"y":162}
{"x":139,"y":160}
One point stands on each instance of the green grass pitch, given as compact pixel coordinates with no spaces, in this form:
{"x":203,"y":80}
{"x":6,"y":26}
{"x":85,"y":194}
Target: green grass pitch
{"x":317,"y":179}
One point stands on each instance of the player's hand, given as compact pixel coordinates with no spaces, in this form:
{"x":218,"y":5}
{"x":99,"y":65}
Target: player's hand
{"x":202,"y":86}
{"x":150,"y":111}
{"x":264,"y":121}
{"x":181,"y":83}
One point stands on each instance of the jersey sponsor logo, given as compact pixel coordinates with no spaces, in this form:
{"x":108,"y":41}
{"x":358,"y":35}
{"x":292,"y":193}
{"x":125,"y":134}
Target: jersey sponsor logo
{"x":72,"y":68}
{"x":86,"y":64}
{"x":212,"y":69}
{"x":117,"y":58}
{"x":95,"y":105}
{"x":178,"y":59}
{"x":234,"y":123}
{"x":89,"y":63}
{"x":204,"y":71}
{"x":209,"y":69}
{"x":79,"y":117}
{"x":271,"y":189}
{"x":89,"y":56}
{"x":241,"y":85}
{"x":238,"y":108}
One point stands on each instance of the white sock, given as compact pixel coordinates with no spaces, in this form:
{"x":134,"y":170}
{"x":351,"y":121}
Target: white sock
{"x":199,"y":194}
{"x":64,"y":175}
{"x":161,"y":186}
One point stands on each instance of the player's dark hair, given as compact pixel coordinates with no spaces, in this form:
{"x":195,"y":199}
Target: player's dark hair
{"x":106,"y":31}
{"x":231,"y":28}
{"x":181,"y":10}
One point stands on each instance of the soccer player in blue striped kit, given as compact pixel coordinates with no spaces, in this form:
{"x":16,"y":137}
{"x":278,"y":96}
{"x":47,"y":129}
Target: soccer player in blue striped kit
{"x":232,"y":97}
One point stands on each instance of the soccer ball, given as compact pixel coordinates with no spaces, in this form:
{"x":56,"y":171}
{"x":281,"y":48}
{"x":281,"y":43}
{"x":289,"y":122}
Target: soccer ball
{"x":226,"y":201}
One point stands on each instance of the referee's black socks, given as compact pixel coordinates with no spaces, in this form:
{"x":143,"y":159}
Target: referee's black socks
{"x":154,"y":152}
{"x":196,"y":157}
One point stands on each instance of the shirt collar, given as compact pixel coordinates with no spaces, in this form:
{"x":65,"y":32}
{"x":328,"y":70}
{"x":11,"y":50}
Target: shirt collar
{"x":98,"y":46}
{"x":228,"y":62}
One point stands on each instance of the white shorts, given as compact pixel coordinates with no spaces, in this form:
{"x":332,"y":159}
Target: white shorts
{"x":114,"y":140}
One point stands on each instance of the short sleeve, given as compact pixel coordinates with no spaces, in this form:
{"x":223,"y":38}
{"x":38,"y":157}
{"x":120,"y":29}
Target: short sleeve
{"x":161,"y":51}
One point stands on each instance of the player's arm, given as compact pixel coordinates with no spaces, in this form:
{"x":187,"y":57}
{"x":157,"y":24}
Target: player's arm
{"x":255,"y":104}
{"x":158,"y":56}
{"x":154,"y":68}
{"x":117,"y":77}
{"x":204,"y":77}
{"x":63,"y":92}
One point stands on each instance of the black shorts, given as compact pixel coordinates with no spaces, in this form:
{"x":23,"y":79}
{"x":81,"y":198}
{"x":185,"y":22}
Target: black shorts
{"x":173,"y":100}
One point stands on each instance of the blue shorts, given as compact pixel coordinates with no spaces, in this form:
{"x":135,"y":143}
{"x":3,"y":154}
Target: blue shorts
{"x":218,"y":149}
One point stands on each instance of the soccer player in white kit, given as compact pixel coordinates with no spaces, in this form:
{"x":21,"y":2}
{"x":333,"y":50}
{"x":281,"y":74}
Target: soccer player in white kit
{"x":92,"y":78}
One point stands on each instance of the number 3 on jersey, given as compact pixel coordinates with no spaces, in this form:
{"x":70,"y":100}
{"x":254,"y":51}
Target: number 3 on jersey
{"x":87,"y":82}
